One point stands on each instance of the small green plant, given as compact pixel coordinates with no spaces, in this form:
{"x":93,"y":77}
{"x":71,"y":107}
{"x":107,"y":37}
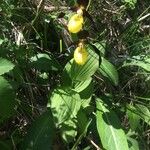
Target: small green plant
{"x":130,"y":3}
{"x":74,"y":75}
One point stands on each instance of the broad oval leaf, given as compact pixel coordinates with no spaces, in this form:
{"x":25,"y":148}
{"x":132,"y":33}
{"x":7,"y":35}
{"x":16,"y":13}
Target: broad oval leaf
{"x":5,"y":66}
{"x":109,"y":128}
{"x":109,"y":71}
{"x":44,"y":62}
{"x":83,"y":72}
{"x":40,"y":134}
{"x":7,"y":99}
{"x":64,"y":103}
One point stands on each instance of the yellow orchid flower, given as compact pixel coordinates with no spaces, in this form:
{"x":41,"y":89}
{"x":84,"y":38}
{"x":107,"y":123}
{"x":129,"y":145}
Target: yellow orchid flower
{"x":75,"y":23}
{"x":80,"y":55}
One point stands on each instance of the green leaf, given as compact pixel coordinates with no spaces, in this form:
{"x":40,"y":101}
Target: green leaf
{"x":44,"y":62}
{"x":40,"y":134}
{"x":83,"y":72}
{"x":71,"y":2}
{"x":82,"y":134}
{"x":134,"y":119}
{"x":131,"y":3}
{"x":82,"y":124}
{"x":65,"y":104}
{"x":5,"y":66}
{"x":69,"y":130}
{"x":7,"y":99}
{"x":109,"y":71}
{"x":66,"y":80}
{"x":1,"y":41}
{"x":109,"y":128}
{"x":86,"y":95}
{"x":4,"y":146}
{"x":81,"y":85}
{"x":143,"y":112}
{"x":100,"y":46}
{"x":140,"y":61}
{"x":133,"y":144}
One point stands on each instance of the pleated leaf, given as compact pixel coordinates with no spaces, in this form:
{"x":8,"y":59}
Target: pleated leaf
{"x":83,"y":72}
{"x":81,"y":85}
{"x":109,"y":71}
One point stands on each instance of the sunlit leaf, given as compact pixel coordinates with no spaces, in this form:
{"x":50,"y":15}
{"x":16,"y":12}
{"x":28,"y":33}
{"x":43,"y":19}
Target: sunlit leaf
{"x":5,"y":66}
{"x":133,"y":144}
{"x":81,"y":85}
{"x":109,"y":128}
{"x":143,"y":112}
{"x":69,"y":130}
{"x":134,"y":119}
{"x":109,"y":71}
{"x":64,"y":104}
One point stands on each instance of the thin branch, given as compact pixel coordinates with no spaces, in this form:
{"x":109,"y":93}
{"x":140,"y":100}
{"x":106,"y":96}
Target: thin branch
{"x":53,"y":8}
{"x":144,"y":17}
{"x":94,"y":144}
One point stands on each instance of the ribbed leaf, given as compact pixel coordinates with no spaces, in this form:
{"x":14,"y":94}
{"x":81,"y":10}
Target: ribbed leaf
{"x":109,"y":71}
{"x":109,"y":129}
{"x":82,"y":72}
{"x":81,"y":85}
{"x":7,"y":99}
{"x":5,"y":66}
{"x":40,"y":135}
{"x":100,"y":46}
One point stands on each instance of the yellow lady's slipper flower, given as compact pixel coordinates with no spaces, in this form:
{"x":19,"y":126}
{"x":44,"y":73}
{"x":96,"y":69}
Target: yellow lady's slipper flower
{"x":80,"y":55}
{"x":75,"y":23}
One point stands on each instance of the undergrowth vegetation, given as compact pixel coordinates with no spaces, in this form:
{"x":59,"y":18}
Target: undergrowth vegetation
{"x":75,"y":74}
